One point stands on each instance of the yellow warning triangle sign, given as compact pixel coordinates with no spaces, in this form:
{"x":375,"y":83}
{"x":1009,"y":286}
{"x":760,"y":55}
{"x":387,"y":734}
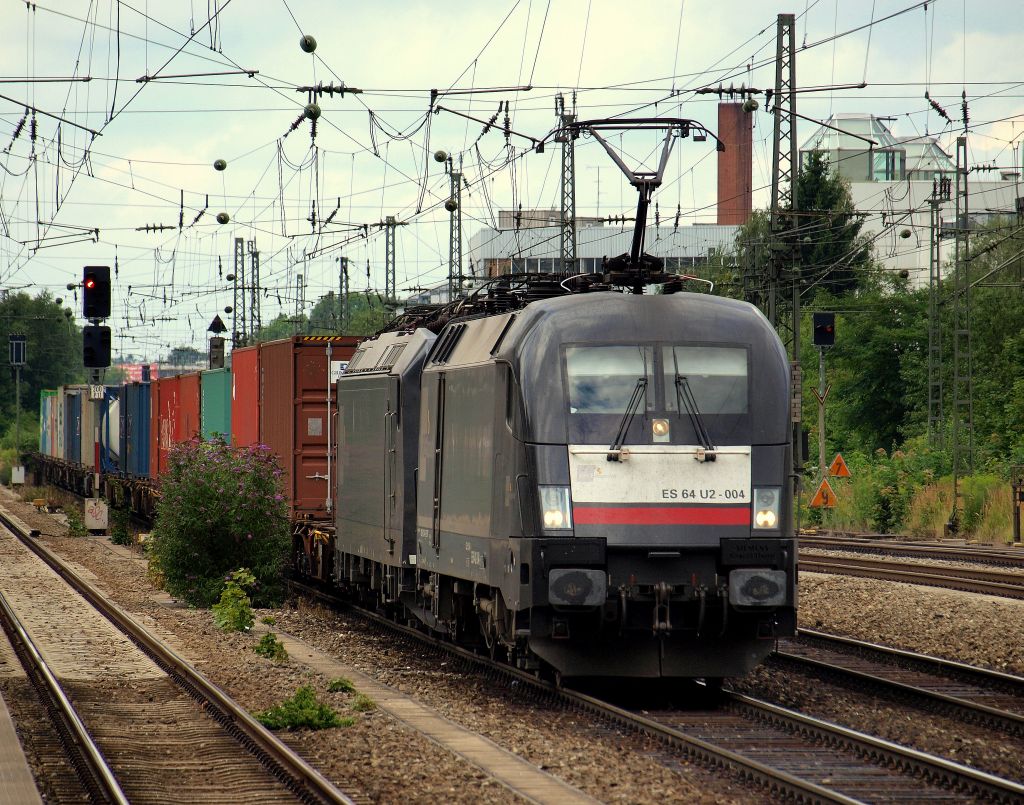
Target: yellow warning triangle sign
{"x":838,"y":468}
{"x":824,"y":497}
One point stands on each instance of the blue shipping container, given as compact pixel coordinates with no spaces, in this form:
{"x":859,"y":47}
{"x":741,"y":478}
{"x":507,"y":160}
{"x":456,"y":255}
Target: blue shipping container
{"x":134,"y":434}
{"x":73,"y":426}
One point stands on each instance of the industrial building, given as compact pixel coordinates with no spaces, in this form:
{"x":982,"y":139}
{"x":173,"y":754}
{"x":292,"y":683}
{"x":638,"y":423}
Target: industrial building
{"x":892,"y":180}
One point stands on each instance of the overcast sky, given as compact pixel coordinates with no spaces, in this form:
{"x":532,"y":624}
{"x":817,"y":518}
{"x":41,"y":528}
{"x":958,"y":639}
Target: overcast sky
{"x":159,"y":138}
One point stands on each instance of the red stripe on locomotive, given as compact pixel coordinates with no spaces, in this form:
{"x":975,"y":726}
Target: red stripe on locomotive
{"x":661,"y":515}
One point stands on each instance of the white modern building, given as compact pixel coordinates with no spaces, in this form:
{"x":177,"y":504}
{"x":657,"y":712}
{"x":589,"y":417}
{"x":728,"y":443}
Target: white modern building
{"x":891,"y":184}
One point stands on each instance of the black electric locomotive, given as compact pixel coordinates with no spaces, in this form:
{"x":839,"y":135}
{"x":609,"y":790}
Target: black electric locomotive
{"x":594,"y":482}
{"x":576,"y":473}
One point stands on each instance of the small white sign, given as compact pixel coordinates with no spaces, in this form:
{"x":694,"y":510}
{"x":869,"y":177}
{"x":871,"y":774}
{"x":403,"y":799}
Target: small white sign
{"x":17,"y":475}
{"x":666,"y":474}
{"x":95,"y":392}
{"x":337,"y":370}
{"x":96,"y":514}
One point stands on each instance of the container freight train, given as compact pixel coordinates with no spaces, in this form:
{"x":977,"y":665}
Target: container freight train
{"x":596,"y":482}
{"x":278,"y":393}
{"x":581,"y":480}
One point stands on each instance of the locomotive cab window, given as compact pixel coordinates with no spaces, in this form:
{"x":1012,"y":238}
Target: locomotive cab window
{"x":602,"y":379}
{"x":717,"y":377}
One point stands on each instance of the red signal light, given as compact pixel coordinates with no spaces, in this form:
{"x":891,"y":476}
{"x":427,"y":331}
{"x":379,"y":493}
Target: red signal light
{"x":90,"y":282}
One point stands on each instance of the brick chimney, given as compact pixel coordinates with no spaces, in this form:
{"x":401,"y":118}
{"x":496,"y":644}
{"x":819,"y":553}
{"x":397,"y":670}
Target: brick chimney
{"x":735,"y":164}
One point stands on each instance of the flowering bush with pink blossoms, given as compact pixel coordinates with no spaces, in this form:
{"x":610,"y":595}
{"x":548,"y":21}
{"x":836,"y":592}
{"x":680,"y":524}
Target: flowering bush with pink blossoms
{"x":221,"y":508}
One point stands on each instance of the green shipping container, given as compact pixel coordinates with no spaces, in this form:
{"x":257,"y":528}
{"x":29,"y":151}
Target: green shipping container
{"x":216,"y":411}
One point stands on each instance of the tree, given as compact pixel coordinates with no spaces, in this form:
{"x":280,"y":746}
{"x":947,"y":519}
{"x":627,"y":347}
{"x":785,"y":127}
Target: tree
{"x":876,"y":368}
{"x":365,"y":313}
{"x":827,"y":247}
{"x":184,"y":356}
{"x":831,"y":252}
{"x":996,"y":273}
{"x":54,"y":350}
{"x":281,"y":327}
{"x":220,"y":509}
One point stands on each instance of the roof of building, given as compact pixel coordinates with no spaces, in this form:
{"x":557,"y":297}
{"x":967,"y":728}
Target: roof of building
{"x":692,"y":240}
{"x":826,"y":139}
{"x":925,"y":154}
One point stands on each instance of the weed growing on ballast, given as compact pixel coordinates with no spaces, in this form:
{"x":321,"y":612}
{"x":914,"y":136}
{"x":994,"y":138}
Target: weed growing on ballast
{"x":363,"y":703}
{"x":271,"y":648}
{"x":76,"y":523}
{"x":302,"y":711}
{"x":120,"y":533}
{"x":341,"y":685}
{"x":233,"y":613}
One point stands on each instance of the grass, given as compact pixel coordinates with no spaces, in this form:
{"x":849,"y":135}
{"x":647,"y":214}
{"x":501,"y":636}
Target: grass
{"x":930,"y":509}
{"x":995,"y":525}
{"x":76,"y":522}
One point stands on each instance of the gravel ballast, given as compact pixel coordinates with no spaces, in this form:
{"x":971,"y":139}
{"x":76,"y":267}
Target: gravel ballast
{"x":391,"y":762}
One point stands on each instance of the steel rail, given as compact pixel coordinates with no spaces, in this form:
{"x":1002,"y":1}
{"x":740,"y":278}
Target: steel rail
{"x":983,"y":555}
{"x":702,"y":751}
{"x":92,"y":768}
{"x":976,"y":712}
{"x":986,"y":675}
{"x":1005,"y":585}
{"x":308,"y":784}
{"x":779,"y":782}
{"x":935,"y":769}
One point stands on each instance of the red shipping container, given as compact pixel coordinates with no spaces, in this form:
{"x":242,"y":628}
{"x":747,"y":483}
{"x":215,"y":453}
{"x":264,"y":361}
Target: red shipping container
{"x":297,"y":402}
{"x":245,"y":396}
{"x":163,"y":400}
{"x":175,"y":403}
{"x":190,"y":400}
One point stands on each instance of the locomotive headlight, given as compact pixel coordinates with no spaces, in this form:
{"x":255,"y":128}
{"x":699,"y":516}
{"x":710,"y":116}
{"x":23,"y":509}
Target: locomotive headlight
{"x":556,"y":508}
{"x":767,"y":501}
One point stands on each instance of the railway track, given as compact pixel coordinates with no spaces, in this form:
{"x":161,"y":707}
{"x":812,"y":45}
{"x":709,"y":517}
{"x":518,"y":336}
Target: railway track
{"x":1006,"y":584}
{"x":146,"y":709}
{"x":888,"y":546}
{"x":96,"y":778}
{"x":992,"y":699}
{"x":781,"y":752}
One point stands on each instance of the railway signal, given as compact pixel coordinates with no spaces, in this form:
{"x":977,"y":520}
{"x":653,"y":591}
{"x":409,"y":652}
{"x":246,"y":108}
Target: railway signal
{"x":824,"y":329}
{"x":96,"y":292}
{"x":96,"y":346}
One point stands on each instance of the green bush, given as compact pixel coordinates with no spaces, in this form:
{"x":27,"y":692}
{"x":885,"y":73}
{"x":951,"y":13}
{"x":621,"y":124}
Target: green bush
{"x":220,"y":509}
{"x":271,"y":648}
{"x":120,"y":530}
{"x":302,"y":711}
{"x":233,"y":613}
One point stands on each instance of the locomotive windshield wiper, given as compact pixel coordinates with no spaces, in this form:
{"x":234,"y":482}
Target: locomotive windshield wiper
{"x":684,"y":397}
{"x":639,"y":393}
